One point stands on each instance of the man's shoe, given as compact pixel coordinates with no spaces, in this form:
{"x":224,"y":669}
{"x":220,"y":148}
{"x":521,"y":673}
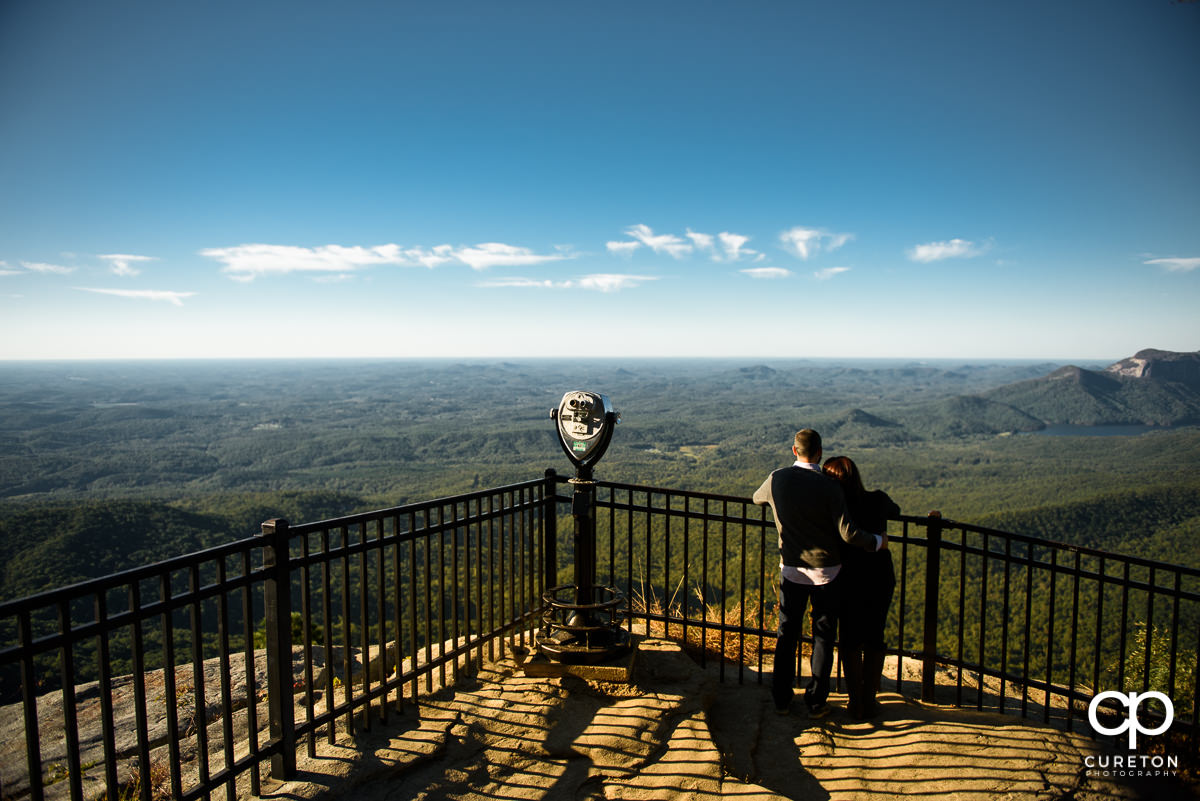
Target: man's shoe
{"x":783,"y":710}
{"x":820,"y":711}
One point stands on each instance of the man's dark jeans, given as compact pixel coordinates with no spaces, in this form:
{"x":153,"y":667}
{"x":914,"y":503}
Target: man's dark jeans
{"x":826,"y":603}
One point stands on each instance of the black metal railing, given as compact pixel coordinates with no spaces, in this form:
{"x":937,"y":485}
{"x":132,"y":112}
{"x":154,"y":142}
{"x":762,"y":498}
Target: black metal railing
{"x":157,"y":681}
{"x":160,"y":680}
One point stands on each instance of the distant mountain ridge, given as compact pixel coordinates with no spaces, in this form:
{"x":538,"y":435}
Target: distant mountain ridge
{"x":1153,"y":387}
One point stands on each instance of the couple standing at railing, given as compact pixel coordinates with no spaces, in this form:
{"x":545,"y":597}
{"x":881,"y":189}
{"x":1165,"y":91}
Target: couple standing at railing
{"x":834,"y":558}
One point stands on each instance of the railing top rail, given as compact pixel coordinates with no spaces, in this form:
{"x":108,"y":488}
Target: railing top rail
{"x":1049,"y":543}
{"x":419,"y":506}
{"x":125,"y":578}
{"x":711,"y":496}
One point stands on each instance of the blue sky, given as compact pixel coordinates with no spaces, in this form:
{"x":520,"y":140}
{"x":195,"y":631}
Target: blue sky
{"x":480,"y":179}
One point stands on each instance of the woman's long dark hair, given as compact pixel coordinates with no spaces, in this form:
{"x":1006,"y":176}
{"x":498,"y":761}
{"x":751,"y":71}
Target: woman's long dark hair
{"x":846,"y":472}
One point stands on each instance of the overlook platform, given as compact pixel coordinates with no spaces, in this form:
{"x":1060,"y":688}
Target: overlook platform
{"x":677,"y":732}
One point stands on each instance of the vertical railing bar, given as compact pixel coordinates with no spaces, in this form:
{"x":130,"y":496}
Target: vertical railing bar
{"x":455,"y":596}
{"x":612,"y":538}
{"x":506,"y":524}
{"x":104,"y":664}
{"x":1004,"y":617}
{"x":381,"y":594}
{"x":1097,"y":638}
{"x":504,"y":613}
{"x":251,"y":684}
{"x":170,"y":699}
{"x":762,"y":586}
{"x":1124,"y":628}
{"x":491,"y":575}
{"x":1028,"y":644}
{"x":70,"y":716}
{"x":398,"y":611}
{"x":687,"y":525}
{"x":347,"y":635}
{"x":983,"y":605}
{"x":1050,"y":634}
{"x":412,"y":605}
{"x":199,"y":704}
{"x":227,"y":749}
{"x":327,"y":619}
{"x":742,"y":603}
{"x":427,"y":547}
{"x":277,"y":597}
{"x":629,"y":556}
{"x":668,"y":594}
{"x":141,"y":724}
{"x":1149,"y":630}
{"x":1074,"y":641}
{"x":904,"y":531}
{"x":704,"y":586}
{"x":649,"y":567}
{"x":1174,"y":635}
{"x":477,"y":563}
{"x":962,"y":612}
{"x":518,"y":515}
{"x":306,"y":637}
{"x":364,"y":582}
{"x":724,"y":582}
{"x":33,"y":748}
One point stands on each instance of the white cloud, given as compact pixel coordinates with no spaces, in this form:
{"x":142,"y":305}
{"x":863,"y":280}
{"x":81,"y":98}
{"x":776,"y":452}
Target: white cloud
{"x":38,"y":267}
{"x":430,"y":257}
{"x":612,"y":282}
{"x":805,"y":242}
{"x":622,"y":248}
{"x":247,"y":262}
{"x":767,"y":272}
{"x":734,"y":246}
{"x":830,"y":272}
{"x":1177,"y":265}
{"x":660,"y":243}
{"x":175,"y":298}
{"x":121,"y":263}
{"x":936,"y":251}
{"x":599,"y":282}
{"x":5,"y":271}
{"x":701,"y":241}
{"x":497,"y":254}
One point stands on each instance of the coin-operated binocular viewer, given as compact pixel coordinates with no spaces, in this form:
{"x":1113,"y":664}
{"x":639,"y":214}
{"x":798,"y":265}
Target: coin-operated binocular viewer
{"x":582,"y":622}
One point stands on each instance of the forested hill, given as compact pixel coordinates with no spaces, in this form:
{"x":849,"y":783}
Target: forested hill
{"x":1153,"y":387}
{"x":108,"y":466}
{"x":53,"y":546}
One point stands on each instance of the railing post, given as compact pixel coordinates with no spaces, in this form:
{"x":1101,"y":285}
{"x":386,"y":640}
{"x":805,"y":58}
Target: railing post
{"x":933,"y":573}
{"x":550,"y":532}
{"x":278,"y":602}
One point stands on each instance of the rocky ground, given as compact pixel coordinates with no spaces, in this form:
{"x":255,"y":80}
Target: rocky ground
{"x":675,"y":731}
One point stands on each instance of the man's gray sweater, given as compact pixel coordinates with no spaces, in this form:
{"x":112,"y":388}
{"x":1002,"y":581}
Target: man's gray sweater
{"x":810,"y":513}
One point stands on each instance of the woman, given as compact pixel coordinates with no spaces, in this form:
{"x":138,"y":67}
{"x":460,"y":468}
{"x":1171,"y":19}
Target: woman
{"x":868,"y":581}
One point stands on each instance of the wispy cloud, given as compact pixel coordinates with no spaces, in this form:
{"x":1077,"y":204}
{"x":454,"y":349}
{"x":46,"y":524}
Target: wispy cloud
{"x":247,"y":262}
{"x":4,"y":270}
{"x":830,"y":272}
{"x":660,"y":243}
{"x":497,"y":254}
{"x":121,"y":263}
{"x":952,"y":249}
{"x":1176,"y":265}
{"x":724,"y":246}
{"x":598,"y":282}
{"x":175,"y":298}
{"x":766,"y":272}
{"x":39,"y":267}
{"x":805,"y":242}
{"x":622,"y":248}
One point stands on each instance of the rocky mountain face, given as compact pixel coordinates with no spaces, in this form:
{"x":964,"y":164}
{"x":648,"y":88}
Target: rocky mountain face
{"x":1153,"y":387}
{"x":1160,"y":365}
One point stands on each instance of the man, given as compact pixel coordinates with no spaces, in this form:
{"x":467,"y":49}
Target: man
{"x":810,"y":513}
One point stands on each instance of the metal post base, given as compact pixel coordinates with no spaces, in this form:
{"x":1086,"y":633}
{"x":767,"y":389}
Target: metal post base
{"x":583,"y":633}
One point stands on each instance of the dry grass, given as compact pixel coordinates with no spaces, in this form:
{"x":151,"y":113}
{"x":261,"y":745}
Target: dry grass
{"x":707,"y":628}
